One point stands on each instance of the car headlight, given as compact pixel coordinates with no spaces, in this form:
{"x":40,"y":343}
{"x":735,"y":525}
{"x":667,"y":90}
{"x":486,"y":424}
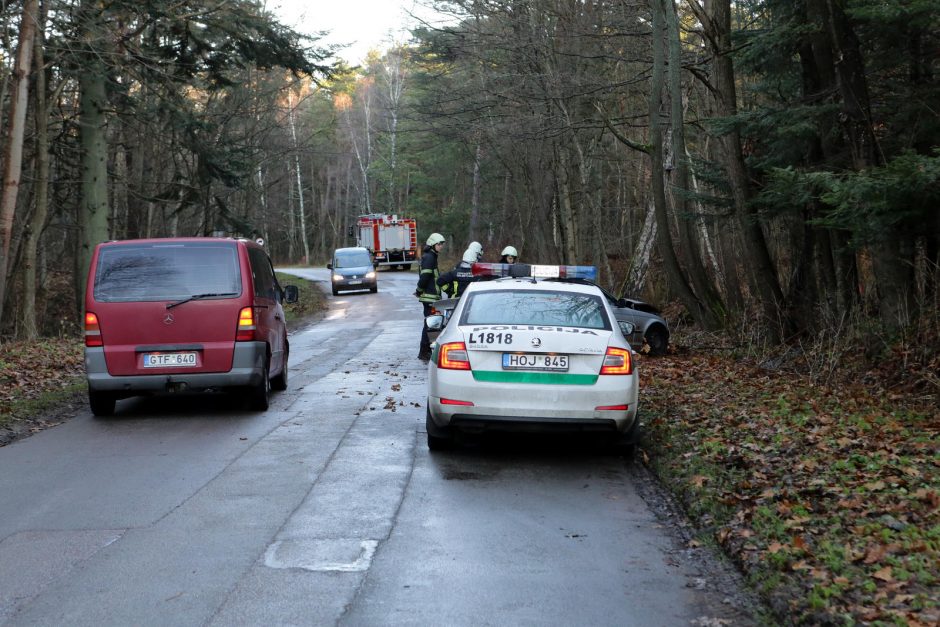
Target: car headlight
{"x":337,"y":277}
{"x":370,"y":275}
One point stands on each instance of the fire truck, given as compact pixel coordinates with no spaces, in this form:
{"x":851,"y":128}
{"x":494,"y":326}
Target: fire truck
{"x":392,"y":240}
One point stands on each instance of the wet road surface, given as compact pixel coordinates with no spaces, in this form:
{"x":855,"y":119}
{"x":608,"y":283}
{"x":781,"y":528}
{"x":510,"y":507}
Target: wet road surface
{"x":328,"y":509}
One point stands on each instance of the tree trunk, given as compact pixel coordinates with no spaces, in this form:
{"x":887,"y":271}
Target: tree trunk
{"x":300,"y":188}
{"x":13,"y":156}
{"x":676,"y":277}
{"x":762,"y":275}
{"x":688,"y":240}
{"x":93,"y":210}
{"x":639,"y":264}
{"x":472,"y":234}
{"x":569,"y":232}
{"x":29,"y":329}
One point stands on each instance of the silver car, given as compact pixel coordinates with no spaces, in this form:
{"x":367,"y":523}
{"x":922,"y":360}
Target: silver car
{"x":531,"y":355}
{"x":649,"y":327}
{"x":352,"y":270}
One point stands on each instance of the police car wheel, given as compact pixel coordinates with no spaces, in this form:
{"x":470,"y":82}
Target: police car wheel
{"x":437,"y":438}
{"x":625,"y":443}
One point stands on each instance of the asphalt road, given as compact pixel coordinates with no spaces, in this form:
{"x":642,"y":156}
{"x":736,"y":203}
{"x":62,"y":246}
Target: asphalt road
{"x":328,"y":509}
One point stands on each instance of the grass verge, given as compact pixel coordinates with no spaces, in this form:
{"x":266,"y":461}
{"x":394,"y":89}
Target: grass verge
{"x":826,"y":497}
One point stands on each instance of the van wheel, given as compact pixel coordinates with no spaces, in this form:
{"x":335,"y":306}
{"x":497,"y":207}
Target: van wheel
{"x":102,"y":403}
{"x":279,"y":383}
{"x":258,"y":394}
{"x":374,"y":289}
{"x":335,"y":292}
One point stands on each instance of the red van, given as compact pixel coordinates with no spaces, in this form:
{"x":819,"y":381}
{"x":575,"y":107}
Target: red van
{"x":184,"y":314}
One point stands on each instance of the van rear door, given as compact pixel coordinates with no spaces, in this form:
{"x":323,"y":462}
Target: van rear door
{"x":168,"y":307}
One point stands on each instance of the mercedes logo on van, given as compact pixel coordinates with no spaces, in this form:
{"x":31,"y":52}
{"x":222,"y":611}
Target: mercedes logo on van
{"x":536,"y":342}
{"x":168,"y":319}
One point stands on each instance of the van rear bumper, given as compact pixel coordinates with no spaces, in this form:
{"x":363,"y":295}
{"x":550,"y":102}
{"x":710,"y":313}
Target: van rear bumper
{"x":247,"y":369}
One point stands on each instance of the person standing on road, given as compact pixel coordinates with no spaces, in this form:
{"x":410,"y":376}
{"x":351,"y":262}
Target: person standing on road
{"x":427,"y":291}
{"x":457,"y":280}
{"x":509,"y":255}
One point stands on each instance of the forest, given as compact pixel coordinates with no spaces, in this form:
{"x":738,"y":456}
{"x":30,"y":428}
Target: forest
{"x":770,"y":166}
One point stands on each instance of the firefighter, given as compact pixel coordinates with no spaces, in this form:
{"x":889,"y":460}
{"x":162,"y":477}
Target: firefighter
{"x":509,"y":255}
{"x":456,"y":281}
{"x":427,"y":291}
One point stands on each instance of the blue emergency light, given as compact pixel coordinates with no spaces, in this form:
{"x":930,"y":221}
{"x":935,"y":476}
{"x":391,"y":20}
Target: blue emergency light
{"x":525,"y":270}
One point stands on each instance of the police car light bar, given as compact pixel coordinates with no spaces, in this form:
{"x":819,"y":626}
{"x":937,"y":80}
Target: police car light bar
{"x":524,"y":270}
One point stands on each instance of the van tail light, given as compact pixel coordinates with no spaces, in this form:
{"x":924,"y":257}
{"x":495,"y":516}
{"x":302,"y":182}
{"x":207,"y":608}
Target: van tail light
{"x":453,"y":356}
{"x":617,"y":361}
{"x":246,"y":325}
{"x":92,"y":330}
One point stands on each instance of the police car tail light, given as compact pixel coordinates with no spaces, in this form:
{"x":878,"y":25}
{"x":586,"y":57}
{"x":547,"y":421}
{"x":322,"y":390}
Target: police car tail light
{"x":617,"y":361}
{"x":453,"y":356}
{"x":524,"y":270}
{"x":246,"y":325}
{"x":92,"y":330}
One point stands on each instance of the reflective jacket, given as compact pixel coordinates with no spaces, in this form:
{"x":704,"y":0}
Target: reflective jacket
{"x":457,"y":280}
{"x":428,"y":291}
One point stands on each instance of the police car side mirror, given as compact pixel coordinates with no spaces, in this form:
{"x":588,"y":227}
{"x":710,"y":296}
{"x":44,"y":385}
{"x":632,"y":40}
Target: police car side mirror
{"x":291,"y":293}
{"x":434,"y":323}
{"x":626,"y":328}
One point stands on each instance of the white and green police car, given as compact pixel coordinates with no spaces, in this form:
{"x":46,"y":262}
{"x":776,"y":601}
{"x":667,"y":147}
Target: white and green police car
{"x":523,"y":353}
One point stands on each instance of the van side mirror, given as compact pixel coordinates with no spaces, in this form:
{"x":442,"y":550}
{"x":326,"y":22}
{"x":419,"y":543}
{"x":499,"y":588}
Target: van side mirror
{"x":291,"y":294}
{"x":622,"y":302}
{"x":329,"y":266}
{"x":350,"y":232}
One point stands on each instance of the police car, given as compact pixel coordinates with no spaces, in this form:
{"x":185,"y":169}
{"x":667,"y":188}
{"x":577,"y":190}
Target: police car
{"x":527,"y":353}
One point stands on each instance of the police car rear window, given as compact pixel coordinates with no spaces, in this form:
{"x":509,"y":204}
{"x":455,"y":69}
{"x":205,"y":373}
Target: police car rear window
{"x":541,"y":308}
{"x":151,"y":272}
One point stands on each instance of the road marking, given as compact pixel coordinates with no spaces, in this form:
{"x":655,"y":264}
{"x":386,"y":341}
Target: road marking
{"x":328,"y":555}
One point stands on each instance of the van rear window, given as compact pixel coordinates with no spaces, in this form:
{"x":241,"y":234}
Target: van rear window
{"x":166,"y":272}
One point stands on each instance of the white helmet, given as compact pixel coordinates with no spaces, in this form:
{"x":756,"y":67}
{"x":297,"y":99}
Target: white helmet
{"x":471,"y":256}
{"x":509,"y":251}
{"x":435,"y":238}
{"x":476,"y":248}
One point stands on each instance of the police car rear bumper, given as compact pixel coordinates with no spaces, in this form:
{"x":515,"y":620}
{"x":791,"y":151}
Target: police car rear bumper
{"x":478,"y":424}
